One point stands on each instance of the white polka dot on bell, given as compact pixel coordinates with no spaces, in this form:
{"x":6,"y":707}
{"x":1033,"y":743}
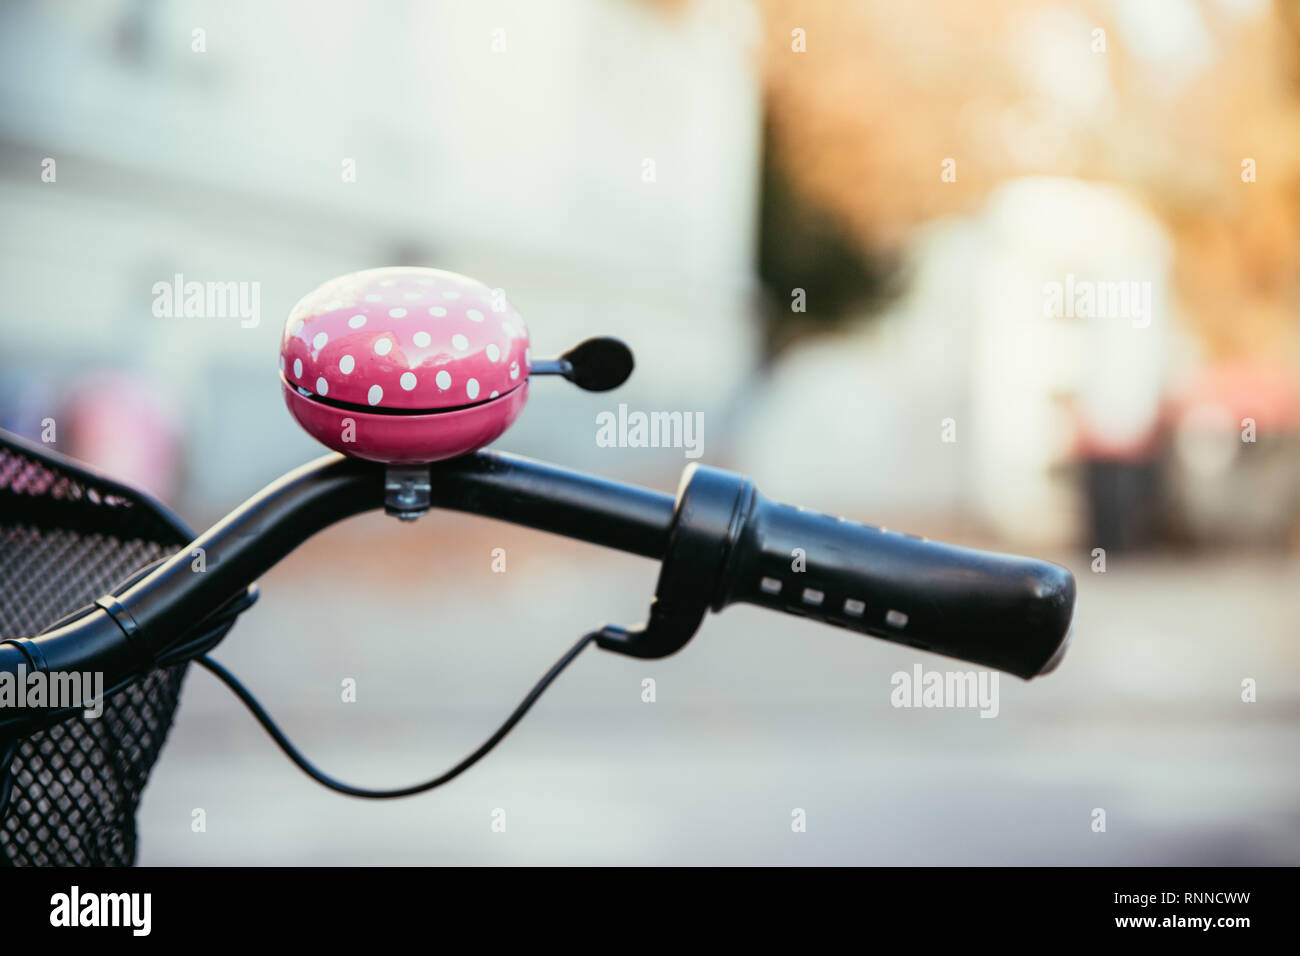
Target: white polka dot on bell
{"x":319,"y":340}
{"x":398,"y":313}
{"x":449,"y":294}
{"x":459,"y":343}
{"x":374,"y":297}
{"x":471,"y":388}
{"x":346,"y":364}
{"x":443,"y":379}
{"x":494,"y":394}
{"x":407,"y":381}
{"x":375,"y":395}
{"x":422,"y":339}
{"x":437,"y":311}
{"x":475,"y":315}
{"x":297,"y":368}
{"x":383,"y":346}
{"x":514,"y":369}
{"x":281,"y":363}
{"x":297,"y":327}
{"x":493,"y":353}
{"x":357,"y":321}
{"x":322,"y":387}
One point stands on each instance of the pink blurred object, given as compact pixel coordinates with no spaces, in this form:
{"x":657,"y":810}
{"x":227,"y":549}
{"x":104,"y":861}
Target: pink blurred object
{"x":125,"y":427}
{"x":1265,"y":391}
{"x":404,"y":364}
{"x":1236,"y":447}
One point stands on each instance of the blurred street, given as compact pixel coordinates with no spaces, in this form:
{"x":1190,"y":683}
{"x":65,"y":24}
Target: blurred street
{"x":1022,"y":275}
{"x":758,"y":715}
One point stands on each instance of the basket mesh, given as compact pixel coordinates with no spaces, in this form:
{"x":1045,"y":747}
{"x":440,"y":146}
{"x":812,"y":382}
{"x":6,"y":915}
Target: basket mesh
{"x":65,"y":540}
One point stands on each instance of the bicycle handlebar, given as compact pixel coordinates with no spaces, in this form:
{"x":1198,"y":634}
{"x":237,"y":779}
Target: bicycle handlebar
{"x":719,"y":540}
{"x":728,"y":543}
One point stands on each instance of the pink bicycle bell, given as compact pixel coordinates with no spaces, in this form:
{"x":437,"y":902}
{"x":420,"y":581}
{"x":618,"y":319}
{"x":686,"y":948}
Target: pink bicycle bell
{"x":404,"y":365}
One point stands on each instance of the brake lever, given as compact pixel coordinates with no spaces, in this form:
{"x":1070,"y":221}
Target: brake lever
{"x":709,"y":512}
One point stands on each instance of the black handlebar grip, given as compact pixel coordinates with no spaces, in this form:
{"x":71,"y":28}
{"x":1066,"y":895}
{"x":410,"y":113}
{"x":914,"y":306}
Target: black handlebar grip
{"x":998,"y":610}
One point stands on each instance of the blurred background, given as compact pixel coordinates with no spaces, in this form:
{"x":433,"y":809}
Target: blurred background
{"x":868,"y":241}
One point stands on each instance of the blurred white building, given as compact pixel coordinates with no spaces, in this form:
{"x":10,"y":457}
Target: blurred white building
{"x":598,"y":160}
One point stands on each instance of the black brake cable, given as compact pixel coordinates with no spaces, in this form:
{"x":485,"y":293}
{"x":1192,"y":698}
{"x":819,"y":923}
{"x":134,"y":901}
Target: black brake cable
{"x":307,"y":767}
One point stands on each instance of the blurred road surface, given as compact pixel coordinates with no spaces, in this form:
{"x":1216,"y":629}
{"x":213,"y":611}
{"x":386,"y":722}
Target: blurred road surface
{"x":758,"y":716}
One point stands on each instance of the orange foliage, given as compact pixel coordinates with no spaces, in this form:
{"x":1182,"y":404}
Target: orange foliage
{"x":886,"y":91}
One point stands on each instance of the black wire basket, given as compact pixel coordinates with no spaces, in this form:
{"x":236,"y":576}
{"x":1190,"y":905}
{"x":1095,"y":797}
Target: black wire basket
{"x":67,"y":537}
